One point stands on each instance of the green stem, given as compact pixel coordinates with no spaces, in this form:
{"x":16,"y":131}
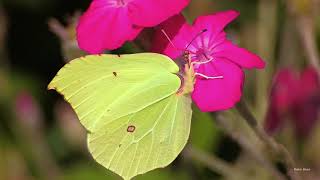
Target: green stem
{"x":302,"y":11}
{"x":212,"y":162}
{"x":247,"y":146}
{"x":272,"y":145}
{"x":306,"y":29}
{"x":266,"y":44}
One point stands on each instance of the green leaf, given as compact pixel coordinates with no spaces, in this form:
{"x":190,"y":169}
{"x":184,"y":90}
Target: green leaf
{"x":129,"y":104}
{"x":203,"y":126}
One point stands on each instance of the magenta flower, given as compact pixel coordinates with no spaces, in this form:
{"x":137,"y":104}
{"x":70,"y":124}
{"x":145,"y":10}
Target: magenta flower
{"x":282,"y":98}
{"x":217,"y":61}
{"x":295,"y":97}
{"x":107,"y":24}
{"x":307,"y":110}
{"x":28,"y":110}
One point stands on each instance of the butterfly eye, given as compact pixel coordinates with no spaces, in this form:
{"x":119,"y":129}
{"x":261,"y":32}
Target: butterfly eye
{"x":186,"y":54}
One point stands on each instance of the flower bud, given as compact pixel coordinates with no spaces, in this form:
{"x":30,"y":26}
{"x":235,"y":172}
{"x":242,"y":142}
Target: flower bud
{"x":28,"y":110}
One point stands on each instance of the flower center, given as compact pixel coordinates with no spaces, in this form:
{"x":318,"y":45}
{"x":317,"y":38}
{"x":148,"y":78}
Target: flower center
{"x":119,"y":3}
{"x":203,"y":55}
{"x":200,"y":58}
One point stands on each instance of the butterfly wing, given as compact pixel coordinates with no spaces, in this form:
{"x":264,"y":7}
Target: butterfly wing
{"x":129,"y":105}
{"x":101,"y":88}
{"x":159,"y":135}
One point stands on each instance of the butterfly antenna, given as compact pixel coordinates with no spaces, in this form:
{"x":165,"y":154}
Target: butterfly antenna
{"x":195,"y":37}
{"x":167,"y":36}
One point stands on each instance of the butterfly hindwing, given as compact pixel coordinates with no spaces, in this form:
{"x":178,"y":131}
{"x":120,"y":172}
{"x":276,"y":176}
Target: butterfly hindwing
{"x":158,"y":135}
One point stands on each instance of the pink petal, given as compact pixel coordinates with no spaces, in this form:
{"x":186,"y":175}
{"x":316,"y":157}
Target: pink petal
{"x":308,"y":102}
{"x":210,"y":69}
{"x":305,"y":117}
{"x":148,"y":13}
{"x":273,"y":121}
{"x":310,"y":82}
{"x":172,"y":28}
{"x":284,"y":90}
{"x":282,"y":98}
{"x":240,"y":56}
{"x":104,"y":27}
{"x":181,"y":40}
{"x":215,"y":23}
{"x":219,"y":94}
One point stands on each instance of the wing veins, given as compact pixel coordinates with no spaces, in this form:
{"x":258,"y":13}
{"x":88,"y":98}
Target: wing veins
{"x":123,"y":95}
{"x":86,"y":85}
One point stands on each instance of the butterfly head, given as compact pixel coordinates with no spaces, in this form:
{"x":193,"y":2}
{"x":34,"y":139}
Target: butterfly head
{"x":191,"y":61}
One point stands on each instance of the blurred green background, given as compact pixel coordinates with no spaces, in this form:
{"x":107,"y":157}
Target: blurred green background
{"x":41,"y":138}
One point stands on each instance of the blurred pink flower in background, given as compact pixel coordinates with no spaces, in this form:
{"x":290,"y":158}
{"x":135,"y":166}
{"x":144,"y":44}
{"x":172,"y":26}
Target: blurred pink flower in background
{"x":296,"y":97}
{"x":28,"y":110}
{"x":107,"y":24}
{"x":30,"y":130}
{"x":307,"y":109}
{"x":281,"y":98}
{"x":217,"y":61}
